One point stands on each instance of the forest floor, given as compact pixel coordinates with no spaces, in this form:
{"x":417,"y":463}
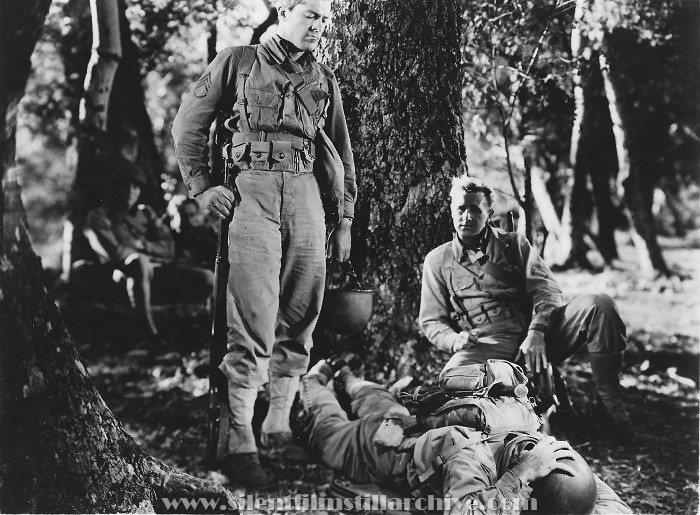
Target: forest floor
{"x":161,"y":401}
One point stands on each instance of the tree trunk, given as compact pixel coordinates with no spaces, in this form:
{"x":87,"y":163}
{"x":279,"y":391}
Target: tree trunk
{"x":593,"y":155}
{"x":61,"y":450}
{"x":21,"y":24}
{"x":106,"y":54}
{"x":642,"y":134}
{"x":400,"y":77}
{"x":128,"y":135}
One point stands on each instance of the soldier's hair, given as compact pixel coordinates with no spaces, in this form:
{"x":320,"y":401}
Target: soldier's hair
{"x":289,"y":4}
{"x":465,"y":184}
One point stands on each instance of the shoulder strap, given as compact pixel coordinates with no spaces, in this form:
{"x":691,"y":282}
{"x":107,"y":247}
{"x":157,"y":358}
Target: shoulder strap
{"x":244,"y":67}
{"x":450,"y":453}
{"x":247,"y":60}
{"x":303,"y":91}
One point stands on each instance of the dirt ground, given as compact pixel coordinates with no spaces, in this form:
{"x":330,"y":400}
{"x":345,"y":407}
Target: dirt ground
{"x":161,"y":402}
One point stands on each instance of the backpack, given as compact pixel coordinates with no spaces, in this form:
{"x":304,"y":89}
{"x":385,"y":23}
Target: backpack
{"x":490,"y":397}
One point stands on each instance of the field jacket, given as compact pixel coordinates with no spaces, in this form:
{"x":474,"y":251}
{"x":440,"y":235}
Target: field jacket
{"x":509,"y":288}
{"x":261,"y":100}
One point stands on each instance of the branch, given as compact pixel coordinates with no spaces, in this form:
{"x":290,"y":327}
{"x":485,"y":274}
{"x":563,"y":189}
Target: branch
{"x":533,"y":59}
{"x":509,"y":166}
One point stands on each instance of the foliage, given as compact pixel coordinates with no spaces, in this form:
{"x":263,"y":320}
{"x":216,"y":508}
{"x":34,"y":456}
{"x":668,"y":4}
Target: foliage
{"x":518,"y":71}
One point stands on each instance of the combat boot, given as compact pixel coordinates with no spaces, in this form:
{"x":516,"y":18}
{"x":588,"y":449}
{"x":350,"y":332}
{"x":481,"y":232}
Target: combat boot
{"x":276,"y":436}
{"x":314,"y":383}
{"x":606,"y":370}
{"x":242,"y":465}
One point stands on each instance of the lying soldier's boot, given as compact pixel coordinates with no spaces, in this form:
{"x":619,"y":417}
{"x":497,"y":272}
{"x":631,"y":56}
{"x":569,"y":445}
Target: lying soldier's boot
{"x":322,"y":371}
{"x":283,"y":446}
{"x":314,"y":383}
{"x":341,"y":379}
{"x":244,"y":469}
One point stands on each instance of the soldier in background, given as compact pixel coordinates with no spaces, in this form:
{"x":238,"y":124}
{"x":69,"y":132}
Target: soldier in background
{"x":130,"y":237}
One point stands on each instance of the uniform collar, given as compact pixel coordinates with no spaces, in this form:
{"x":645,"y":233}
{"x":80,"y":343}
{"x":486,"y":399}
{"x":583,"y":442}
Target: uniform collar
{"x":278,"y":49}
{"x":493,"y":243}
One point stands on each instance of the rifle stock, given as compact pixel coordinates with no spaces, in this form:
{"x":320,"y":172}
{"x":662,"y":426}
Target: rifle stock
{"x":217,"y":417}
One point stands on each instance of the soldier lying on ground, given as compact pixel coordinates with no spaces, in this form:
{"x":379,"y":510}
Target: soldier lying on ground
{"x":487,"y":294}
{"x":132,"y":239}
{"x":490,"y":472}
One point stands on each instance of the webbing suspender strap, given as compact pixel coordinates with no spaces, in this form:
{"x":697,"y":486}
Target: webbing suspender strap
{"x":244,"y":67}
{"x":302,"y":90}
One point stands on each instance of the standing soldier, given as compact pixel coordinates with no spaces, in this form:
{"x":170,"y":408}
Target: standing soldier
{"x":290,"y":141}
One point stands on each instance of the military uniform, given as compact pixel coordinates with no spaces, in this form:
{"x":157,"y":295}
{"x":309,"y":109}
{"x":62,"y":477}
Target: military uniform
{"x":455,"y":462}
{"x":503,"y":289}
{"x":290,"y":141}
{"x":117,"y":234}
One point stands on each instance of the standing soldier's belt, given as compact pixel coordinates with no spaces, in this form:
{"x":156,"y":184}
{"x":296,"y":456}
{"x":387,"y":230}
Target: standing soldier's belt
{"x":275,"y":151}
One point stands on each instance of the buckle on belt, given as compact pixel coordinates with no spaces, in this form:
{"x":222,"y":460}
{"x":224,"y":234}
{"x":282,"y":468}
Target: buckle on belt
{"x":226,"y":151}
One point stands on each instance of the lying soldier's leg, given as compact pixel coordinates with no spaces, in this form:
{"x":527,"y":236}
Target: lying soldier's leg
{"x":368,"y":398}
{"x":347,"y":445}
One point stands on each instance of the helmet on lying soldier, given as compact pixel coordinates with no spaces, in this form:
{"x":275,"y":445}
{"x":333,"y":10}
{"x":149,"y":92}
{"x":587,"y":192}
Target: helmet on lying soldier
{"x":559,"y":492}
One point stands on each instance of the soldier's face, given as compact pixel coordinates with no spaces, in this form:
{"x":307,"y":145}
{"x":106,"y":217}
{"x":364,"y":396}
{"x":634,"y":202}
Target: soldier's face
{"x":304,"y":24}
{"x":470,"y":214}
{"x":134,"y":192}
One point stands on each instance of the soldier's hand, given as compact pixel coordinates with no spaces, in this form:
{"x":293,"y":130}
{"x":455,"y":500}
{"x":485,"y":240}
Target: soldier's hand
{"x":218,"y":201}
{"x":340,"y":241}
{"x":465,"y":339}
{"x":534,"y":351}
{"x":545,"y":457}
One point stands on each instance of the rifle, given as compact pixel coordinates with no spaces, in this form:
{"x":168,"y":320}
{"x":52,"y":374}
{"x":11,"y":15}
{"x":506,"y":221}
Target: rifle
{"x":217,"y":416}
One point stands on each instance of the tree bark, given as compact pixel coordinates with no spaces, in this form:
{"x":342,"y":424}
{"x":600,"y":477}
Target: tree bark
{"x":400,"y":76}
{"x":61,"y":450}
{"x":106,"y":54}
{"x":21,"y":24}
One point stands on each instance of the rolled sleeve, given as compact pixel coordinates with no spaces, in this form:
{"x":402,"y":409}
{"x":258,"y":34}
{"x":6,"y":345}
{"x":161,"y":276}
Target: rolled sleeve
{"x":195,"y":116}
{"x":434,"y":314}
{"x":336,"y":129}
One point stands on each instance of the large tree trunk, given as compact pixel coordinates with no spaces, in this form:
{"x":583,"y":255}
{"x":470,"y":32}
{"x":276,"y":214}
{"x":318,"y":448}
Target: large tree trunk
{"x":61,"y":450}
{"x":400,"y":76}
{"x":21,"y":24}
